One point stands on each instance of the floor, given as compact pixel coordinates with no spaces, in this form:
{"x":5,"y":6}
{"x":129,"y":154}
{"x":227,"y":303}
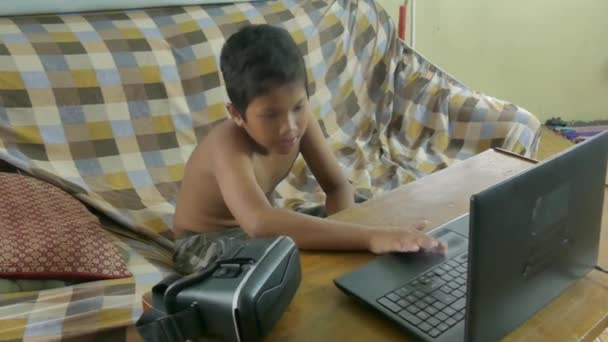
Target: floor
{"x":550,"y":144}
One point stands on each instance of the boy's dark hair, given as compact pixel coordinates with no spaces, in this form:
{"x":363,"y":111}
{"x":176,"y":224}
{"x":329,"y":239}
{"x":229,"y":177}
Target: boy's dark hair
{"x":258,"y":58}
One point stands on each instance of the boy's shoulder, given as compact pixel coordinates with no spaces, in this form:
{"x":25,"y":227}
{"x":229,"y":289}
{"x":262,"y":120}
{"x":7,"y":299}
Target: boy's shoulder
{"x":222,"y":140}
{"x":227,"y":137}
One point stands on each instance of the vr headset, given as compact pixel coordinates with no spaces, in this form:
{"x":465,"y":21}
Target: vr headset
{"x":236,"y":299}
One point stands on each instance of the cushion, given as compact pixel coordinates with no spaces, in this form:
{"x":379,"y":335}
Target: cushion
{"x":48,"y":234}
{"x":26,"y":285}
{"x":58,"y":6}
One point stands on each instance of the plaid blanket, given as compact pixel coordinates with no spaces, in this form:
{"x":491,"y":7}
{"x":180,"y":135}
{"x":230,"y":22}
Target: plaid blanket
{"x":109,"y":106}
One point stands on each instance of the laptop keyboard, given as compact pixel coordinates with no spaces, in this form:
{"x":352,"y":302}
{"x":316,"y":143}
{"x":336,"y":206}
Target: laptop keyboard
{"x":434,"y":301}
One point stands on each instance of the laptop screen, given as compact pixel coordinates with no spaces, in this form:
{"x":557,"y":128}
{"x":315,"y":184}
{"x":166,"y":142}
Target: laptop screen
{"x":532,"y":236}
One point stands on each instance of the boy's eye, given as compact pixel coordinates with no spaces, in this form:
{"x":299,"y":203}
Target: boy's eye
{"x":298,"y":108}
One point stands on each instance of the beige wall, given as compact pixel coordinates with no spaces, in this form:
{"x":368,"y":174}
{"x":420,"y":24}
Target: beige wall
{"x":549,"y":56}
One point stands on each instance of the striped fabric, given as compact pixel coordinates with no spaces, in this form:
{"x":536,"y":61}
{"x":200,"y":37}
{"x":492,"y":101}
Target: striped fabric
{"x":109,"y":106}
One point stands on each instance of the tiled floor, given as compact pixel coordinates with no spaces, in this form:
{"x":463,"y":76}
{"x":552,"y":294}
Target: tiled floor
{"x":551,"y":143}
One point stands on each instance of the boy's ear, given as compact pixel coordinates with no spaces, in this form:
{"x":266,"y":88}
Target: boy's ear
{"x":235,"y":115}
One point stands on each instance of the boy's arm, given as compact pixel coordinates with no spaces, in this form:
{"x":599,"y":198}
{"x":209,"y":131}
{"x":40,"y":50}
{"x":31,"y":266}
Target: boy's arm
{"x":250,"y":207}
{"x":326,"y":169}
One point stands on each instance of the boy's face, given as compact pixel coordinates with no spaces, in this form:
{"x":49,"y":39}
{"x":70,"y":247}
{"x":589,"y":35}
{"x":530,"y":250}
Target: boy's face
{"x":276,"y":120}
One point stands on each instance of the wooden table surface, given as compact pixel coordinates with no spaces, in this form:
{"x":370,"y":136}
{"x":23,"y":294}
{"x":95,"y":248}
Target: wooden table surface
{"x":320,"y":312}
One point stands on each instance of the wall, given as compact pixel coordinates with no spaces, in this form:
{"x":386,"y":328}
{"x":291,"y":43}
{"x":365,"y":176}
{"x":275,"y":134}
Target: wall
{"x":549,"y":56}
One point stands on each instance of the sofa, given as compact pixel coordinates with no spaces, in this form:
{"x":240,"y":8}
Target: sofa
{"x":108,"y":105}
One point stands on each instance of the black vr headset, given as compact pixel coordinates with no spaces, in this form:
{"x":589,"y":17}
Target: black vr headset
{"x":236,"y":299}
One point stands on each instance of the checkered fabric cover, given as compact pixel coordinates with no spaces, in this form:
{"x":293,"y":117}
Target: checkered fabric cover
{"x":109,"y":106}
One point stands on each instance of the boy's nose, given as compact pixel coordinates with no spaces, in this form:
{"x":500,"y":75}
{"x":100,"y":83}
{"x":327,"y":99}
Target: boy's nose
{"x":290,"y":124}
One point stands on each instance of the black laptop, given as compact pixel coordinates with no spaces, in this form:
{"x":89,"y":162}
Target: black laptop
{"x":524,"y":241}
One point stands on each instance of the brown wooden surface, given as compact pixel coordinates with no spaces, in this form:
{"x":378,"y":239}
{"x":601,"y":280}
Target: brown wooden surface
{"x":320,"y":312}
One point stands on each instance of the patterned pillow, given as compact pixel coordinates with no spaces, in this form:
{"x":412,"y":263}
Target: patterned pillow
{"x":48,"y":234}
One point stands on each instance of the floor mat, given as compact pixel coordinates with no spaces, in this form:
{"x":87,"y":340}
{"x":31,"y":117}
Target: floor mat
{"x":577,"y":131}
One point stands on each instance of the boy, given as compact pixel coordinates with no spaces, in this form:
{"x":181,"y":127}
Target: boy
{"x":230,"y":174}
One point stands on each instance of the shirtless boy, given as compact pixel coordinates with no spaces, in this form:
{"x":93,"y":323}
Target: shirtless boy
{"x":226,"y":181}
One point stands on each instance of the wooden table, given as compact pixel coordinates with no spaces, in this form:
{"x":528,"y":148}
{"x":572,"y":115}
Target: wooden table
{"x":320,"y":312}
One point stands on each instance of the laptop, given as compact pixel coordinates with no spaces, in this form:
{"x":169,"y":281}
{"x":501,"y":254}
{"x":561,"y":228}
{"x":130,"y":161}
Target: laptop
{"x":523,"y":242}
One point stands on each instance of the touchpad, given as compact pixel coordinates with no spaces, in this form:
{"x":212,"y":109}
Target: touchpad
{"x":454,"y":241}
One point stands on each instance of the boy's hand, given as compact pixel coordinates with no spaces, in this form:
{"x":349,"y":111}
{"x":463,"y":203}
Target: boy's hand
{"x":397,"y":239}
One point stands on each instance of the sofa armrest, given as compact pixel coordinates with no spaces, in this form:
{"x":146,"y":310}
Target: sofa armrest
{"x":436,"y":120}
